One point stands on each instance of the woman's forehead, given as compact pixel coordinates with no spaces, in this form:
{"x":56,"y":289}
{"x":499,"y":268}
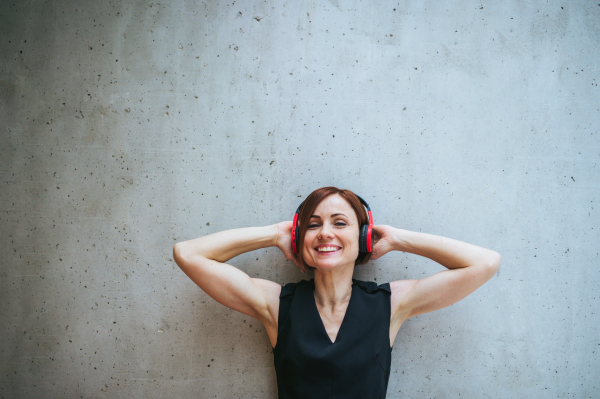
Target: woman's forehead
{"x":334,"y":204}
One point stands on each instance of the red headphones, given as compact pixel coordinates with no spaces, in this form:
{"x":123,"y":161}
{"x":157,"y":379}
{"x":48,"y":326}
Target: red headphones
{"x":365,"y":239}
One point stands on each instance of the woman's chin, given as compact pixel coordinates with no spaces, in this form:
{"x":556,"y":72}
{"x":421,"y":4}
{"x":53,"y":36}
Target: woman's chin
{"x":329,"y":264}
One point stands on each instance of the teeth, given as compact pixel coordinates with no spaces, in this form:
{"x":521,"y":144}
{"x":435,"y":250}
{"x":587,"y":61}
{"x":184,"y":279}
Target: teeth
{"x":327,"y":249}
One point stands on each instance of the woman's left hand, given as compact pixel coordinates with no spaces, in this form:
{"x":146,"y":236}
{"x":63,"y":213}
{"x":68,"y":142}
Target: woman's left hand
{"x":384,"y":239}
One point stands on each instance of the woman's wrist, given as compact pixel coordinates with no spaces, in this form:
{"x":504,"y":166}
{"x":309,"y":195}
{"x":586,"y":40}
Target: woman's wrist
{"x":273,"y":231}
{"x":264,"y":237}
{"x":400,"y":240}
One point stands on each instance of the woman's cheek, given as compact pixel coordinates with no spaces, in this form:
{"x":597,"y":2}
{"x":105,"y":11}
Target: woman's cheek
{"x":308,"y":240}
{"x":307,"y":257}
{"x":306,"y":252}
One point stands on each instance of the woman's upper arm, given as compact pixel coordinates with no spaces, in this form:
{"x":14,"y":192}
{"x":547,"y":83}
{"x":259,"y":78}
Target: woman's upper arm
{"x":414,"y":297}
{"x":230,"y":286}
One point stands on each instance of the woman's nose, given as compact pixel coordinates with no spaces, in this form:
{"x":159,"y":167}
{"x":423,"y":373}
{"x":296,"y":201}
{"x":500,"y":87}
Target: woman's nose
{"x":326,"y":231}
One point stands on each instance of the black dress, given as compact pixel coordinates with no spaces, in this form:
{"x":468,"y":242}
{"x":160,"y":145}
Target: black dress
{"x":357,"y":365}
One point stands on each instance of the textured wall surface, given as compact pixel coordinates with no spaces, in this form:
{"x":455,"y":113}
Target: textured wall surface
{"x":127,"y":126}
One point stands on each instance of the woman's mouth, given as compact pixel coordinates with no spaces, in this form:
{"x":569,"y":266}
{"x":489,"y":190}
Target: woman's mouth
{"x":328,"y":249}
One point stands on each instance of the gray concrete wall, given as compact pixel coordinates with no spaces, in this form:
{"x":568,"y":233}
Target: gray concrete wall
{"x":129,"y":126}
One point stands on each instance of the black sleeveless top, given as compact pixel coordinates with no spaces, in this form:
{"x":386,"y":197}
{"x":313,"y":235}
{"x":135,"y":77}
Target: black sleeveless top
{"x":357,"y":365}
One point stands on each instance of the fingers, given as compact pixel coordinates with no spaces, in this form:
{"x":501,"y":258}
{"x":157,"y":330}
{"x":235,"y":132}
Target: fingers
{"x":379,"y":249}
{"x":378,"y":228}
{"x":294,"y":260}
{"x":303,"y":269}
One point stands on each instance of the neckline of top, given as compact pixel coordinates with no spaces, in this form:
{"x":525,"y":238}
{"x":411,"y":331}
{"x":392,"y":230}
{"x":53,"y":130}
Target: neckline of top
{"x":316,"y":309}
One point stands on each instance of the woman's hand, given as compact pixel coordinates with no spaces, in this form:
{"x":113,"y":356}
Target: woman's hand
{"x":284,"y":243}
{"x":384,"y":239}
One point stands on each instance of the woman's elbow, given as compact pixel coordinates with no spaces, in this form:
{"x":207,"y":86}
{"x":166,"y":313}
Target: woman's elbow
{"x":179,"y":253}
{"x":494,"y":262}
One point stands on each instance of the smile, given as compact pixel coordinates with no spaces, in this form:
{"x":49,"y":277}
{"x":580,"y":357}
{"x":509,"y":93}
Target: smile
{"x":327,"y":249}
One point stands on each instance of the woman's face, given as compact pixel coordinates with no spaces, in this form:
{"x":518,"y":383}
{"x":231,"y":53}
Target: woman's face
{"x":331,"y":239}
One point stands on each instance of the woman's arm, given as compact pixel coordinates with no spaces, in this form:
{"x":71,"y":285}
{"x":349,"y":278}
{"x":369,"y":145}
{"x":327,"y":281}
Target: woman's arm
{"x":201,"y":259}
{"x":469,"y":267}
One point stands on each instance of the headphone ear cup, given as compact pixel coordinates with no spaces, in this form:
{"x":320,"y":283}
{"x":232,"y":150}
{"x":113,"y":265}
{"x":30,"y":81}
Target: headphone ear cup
{"x":362,"y":240}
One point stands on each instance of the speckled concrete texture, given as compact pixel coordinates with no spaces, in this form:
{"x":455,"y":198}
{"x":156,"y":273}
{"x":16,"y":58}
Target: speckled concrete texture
{"x":127,"y":126}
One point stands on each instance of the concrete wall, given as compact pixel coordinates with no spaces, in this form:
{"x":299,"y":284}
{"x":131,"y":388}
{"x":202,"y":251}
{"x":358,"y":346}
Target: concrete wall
{"x":128,"y":126}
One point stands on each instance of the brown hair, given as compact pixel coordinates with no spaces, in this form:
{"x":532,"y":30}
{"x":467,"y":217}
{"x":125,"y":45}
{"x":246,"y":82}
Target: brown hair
{"x":310,"y":204}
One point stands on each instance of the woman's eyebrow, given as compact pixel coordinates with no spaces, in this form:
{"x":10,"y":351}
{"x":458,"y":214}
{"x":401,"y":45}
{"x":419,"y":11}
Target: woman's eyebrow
{"x":334,"y":215}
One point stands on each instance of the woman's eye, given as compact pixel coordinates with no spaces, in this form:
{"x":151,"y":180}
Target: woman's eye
{"x":340,"y":224}
{"x":312,"y":226}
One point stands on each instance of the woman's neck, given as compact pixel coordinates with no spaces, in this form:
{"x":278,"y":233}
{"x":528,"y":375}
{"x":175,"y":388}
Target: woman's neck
{"x":333,"y":286}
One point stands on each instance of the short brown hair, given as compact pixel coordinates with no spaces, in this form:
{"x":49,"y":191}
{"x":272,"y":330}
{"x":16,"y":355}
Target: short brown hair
{"x":310,"y":204}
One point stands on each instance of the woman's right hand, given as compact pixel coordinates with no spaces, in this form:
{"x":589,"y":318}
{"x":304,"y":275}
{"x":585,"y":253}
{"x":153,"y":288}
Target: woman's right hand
{"x":284,"y":243}
{"x":383,"y":240}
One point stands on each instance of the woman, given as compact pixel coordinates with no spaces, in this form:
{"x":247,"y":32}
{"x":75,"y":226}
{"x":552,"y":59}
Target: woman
{"x":332,"y":336}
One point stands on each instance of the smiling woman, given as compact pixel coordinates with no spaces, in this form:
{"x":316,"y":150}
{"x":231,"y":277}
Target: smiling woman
{"x":332,"y":336}
{"x":310,"y":220}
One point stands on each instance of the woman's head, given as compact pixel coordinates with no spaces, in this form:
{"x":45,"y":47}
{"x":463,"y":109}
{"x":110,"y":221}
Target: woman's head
{"x":328,"y":228}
